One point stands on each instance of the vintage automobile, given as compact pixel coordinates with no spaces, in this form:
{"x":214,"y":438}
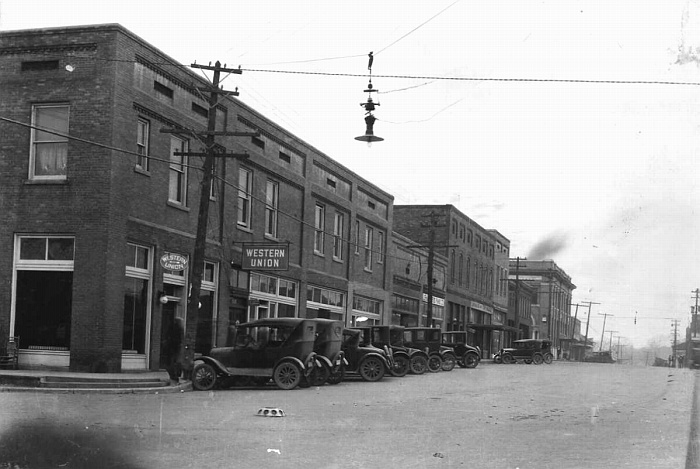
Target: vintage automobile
{"x":600,"y":357}
{"x":370,"y":362}
{"x":380,"y":337}
{"x":281,"y":349}
{"x":467,"y":355}
{"x":535,"y":351}
{"x":328,"y":348}
{"x":429,"y":340}
{"x":418,"y":358}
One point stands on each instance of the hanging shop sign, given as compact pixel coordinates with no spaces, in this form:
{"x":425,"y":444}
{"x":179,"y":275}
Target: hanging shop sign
{"x":174,"y":262}
{"x":265,"y":257}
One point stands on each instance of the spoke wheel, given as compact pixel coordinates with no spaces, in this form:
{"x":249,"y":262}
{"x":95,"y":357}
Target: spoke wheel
{"x":470,"y":360}
{"x":419,"y":364}
{"x":203,"y":377}
{"x":337,"y":376}
{"x":507,"y":359}
{"x":287,"y":375}
{"x":434,"y":363}
{"x":548,"y":358}
{"x":372,"y":369}
{"x":537,"y":359}
{"x":401,"y":366}
{"x":448,"y":362}
{"x":319,"y":376}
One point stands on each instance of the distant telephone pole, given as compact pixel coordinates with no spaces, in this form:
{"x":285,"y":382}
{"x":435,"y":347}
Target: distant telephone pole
{"x":588,"y":322}
{"x":602,"y":336}
{"x":695,"y":312}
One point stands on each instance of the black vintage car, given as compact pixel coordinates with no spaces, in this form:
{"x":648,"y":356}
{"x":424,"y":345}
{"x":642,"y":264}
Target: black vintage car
{"x":429,"y":340}
{"x":281,"y":349}
{"x":380,"y":337}
{"x":535,"y":351}
{"x":370,"y":362}
{"x":328,"y":348}
{"x":467,"y":355}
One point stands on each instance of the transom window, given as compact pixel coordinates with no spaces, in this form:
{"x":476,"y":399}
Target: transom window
{"x":49,"y":151}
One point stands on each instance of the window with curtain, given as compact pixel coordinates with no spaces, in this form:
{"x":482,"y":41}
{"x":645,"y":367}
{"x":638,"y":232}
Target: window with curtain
{"x":49,"y":151}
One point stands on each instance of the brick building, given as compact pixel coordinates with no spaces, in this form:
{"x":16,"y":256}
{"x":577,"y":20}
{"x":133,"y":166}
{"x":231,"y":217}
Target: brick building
{"x":410,"y":286}
{"x":472,"y":269}
{"x":97,"y":193}
{"x":551,"y":307}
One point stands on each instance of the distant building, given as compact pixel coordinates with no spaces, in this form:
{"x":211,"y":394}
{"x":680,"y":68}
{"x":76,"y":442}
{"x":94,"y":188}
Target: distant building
{"x":474,"y":303}
{"x":552,"y":304}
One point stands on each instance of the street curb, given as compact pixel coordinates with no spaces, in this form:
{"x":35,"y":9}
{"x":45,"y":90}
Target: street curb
{"x":182,"y":387}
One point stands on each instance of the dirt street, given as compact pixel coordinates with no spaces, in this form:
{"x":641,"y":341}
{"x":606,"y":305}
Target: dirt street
{"x":565,"y":415}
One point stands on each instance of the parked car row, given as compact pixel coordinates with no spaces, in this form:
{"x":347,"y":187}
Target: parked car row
{"x":311,"y":352}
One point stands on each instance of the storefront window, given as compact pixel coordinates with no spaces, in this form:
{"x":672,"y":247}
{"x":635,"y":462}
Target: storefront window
{"x":136,"y":299}
{"x":44,"y":289}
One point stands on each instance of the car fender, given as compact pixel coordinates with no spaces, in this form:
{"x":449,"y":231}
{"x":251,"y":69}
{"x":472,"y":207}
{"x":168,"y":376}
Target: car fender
{"x":398,"y":353}
{"x":216,"y":364}
{"x":298,"y":362}
{"x":325,"y":360}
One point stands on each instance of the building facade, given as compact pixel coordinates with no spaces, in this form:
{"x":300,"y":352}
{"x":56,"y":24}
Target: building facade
{"x":472,"y":270}
{"x":100,"y":192}
{"x":413,"y":289}
{"x":552,"y":303}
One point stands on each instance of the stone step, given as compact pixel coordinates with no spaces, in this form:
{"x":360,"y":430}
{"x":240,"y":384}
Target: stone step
{"x":67,"y":383}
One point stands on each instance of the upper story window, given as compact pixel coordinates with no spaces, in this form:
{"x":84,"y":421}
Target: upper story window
{"x":338,"y":230}
{"x":319,"y":223}
{"x":357,"y":237}
{"x":178,"y":171}
{"x":142,"y":137}
{"x":369,"y":233}
{"x":380,"y":248}
{"x":49,"y":152}
{"x":245,"y":186}
{"x":271,"y":208}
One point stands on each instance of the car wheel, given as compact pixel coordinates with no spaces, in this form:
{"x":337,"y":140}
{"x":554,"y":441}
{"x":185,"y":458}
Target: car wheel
{"x":336,"y":376}
{"x":497,"y":358}
{"x":537,"y":359}
{"x":527,"y":361}
{"x":287,"y":375}
{"x":372,"y":369}
{"x":548,"y":358}
{"x":319,"y":375}
{"x":434,"y":363}
{"x":203,"y":377}
{"x":401,"y":366}
{"x":448,"y":362}
{"x":419,"y":364}
{"x":471,"y":360}
{"x":507,"y":359}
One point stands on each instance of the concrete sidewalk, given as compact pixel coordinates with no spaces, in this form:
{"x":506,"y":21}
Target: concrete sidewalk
{"x":49,"y":381}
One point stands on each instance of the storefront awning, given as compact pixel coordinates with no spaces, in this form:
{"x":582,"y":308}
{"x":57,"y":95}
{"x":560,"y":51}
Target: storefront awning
{"x":492,"y":327}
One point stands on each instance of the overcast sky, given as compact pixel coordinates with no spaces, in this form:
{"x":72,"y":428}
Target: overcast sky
{"x":600,"y":177}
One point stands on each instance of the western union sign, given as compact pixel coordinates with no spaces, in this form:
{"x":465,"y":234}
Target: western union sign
{"x":265,"y":257}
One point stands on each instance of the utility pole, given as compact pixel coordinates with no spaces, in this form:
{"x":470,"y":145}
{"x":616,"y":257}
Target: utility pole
{"x":602,"y":336}
{"x":610,"y":345}
{"x":517,"y":297}
{"x":588,"y":322}
{"x":211,"y":152}
{"x":695,"y":312}
{"x":432,"y":224}
{"x":674,"y":323}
